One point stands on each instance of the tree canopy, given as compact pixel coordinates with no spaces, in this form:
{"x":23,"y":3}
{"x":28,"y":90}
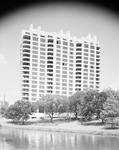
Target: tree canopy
{"x":20,"y":111}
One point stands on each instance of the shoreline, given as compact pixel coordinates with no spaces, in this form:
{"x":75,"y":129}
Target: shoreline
{"x":70,"y":127}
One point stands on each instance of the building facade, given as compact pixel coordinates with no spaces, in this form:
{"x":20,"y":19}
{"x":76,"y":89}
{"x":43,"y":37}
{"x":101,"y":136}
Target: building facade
{"x":56,"y":63}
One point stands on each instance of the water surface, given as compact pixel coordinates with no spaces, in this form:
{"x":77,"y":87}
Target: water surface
{"x":14,"y":139}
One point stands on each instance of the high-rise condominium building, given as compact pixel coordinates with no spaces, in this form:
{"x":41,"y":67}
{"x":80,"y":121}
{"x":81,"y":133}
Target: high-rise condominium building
{"x":56,"y":63}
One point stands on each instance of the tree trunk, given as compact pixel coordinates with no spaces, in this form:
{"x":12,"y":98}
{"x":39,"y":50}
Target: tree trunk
{"x":51,"y":119}
{"x":23,"y":122}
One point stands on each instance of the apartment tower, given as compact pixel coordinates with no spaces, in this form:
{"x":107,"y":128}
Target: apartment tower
{"x":56,"y":63}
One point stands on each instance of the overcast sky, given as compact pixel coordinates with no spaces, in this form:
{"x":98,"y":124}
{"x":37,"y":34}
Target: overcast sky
{"x":79,"y":19}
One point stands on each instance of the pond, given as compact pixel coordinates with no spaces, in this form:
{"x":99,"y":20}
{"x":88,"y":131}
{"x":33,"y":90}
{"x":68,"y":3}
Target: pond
{"x":15,"y":139}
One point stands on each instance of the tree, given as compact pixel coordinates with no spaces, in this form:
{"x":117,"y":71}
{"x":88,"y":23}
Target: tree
{"x":111,"y":107}
{"x":3,"y":110}
{"x":20,"y":111}
{"x":98,"y":105}
{"x":75,"y":103}
{"x":53,"y":104}
{"x":89,"y":105}
{"x":12,"y":112}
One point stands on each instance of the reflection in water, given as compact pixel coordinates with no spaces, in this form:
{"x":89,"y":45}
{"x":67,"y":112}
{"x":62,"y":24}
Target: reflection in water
{"x":13,"y":139}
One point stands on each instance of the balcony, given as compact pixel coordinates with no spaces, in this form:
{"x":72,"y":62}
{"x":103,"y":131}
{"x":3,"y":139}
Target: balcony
{"x":49,"y":70}
{"x":49,"y":66}
{"x":50,"y":74}
{"x":49,"y":91}
{"x":50,"y":45}
{"x":26,"y":37}
{"x":26,"y":55}
{"x":26,"y":59}
{"x":78,"y":44}
{"x":97,"y":60}
{"x":50,"y":54}
{"x":25,"y":81}
{"x":49,"y":62}
{"x":26,"y":46}
{"x":25,"y":72}
{"x":26,"y":42}
{"x":25,"y":68}
{"x":26,"y":64}
{"x":50,"y":57}
{"x":50,"y":40}
{"x":98,"y":63}
{"x":25,"y":94}
{"x":25,"y":77}
{"x":50,"y":49}
{"x":26,"y":51}
{"x":25,"y":90}
{"x":49,"y":83}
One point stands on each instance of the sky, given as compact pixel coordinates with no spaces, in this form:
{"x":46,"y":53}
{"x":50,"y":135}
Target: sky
{"x":80,"y":20}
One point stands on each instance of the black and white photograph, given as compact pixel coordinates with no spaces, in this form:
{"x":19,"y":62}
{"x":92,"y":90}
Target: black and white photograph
{"x":59,"y":76}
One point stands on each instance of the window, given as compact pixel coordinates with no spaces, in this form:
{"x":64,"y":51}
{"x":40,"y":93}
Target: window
{"x":42,"y":53}
{"x":97,"y":48}
{"x":64,"y":76}
{"x":35,"y":65}
{"x":50,"y":41}
{"x":85,"y":74}
{"x":91,"y":51}
{"x":34,"y":90}
{"x":92,"y":55}
{"x":26,"y":37}
{"x":71,"y":69}
{"x":34,"y":82}
{"x":58,"y":54}
{"x":35,"y":56}
{"x":41,"y":44}
{"x":34,"y":86}
{"x":71,"y":44}
{"x":85,"y":62}
{"x":34,"y":47}
{"x":33,"y":94}
{"x":78,"y":49}
{"x":85,"y":50}
{"x":42,"y":49}
{"x":57,"y":71}
{"x":92,"y":59}
{"x":71,"y":77}
{"x":65,"y":43}
{"x":65,"y":60}
{"x":43,"y":40}
{"x":91,"y":70}
{"x":86,"y":58}
{"x":35,"y":43}
{"x":35,"y":38}
{"x":57,"y":75}
{"x":64,"y":84}
{"x":92,"y":46}
{"x":86,"y":45}
{"x":58,"y":42}
{"x":34,"y":69}
{"x":65,"y":68}
{"x":86,"y":70}
{"x":57,"y":79}
{"x":57,"y":83}
{"x":85,"y":54}
{"x":35,"y":52}
{"x":91,"y":74}
{"x":58,"y":46}
{"x":58,"y":50}
{"x":42,"y":57}
{"x":64,"y":72}
{"x":42,"y":70}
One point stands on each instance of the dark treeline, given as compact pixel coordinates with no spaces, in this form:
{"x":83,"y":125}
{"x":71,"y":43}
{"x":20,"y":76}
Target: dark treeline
{"x":83,"y":105}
